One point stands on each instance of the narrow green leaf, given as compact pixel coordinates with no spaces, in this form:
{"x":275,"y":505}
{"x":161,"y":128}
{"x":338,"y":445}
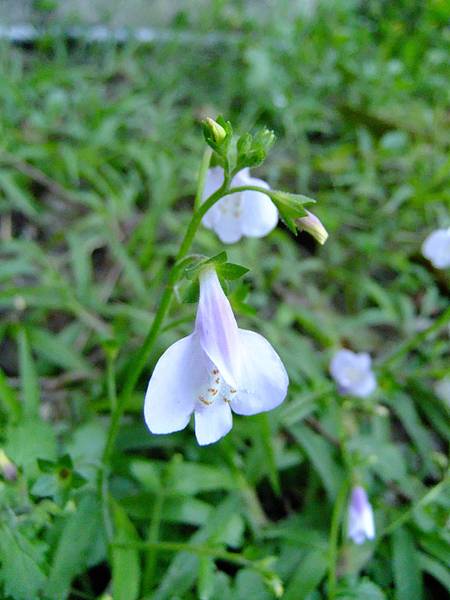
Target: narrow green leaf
{"x":205,"y":582}
{"x":20,"y":570}
{"x":406,"y":566}
{"x":8,"y":398}
{"x":126,"y":571}
{"x":56,"y":351}
{"x":321,"y":456}
{"x":436,"y":569}
{"x":78,"y":534}
{"x":18,"y":197}
{"x":310,"y":572}
{"x":269,"y":451}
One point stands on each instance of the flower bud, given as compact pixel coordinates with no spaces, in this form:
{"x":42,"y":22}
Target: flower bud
{"x":312,"y":225}
{"x":7,"y":467}
{"x":216,"y":131}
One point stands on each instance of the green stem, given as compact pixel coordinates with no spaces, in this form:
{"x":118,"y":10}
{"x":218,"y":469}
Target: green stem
{"x":423,"y":501}
{"x":232,"y":557}
{"x":137,"y":366}
{"x":336,"y":520}
{"x":416,"y":340}
{"x":111,"y":383}
{"x":202,"y":177}
{"x":153,"y":534}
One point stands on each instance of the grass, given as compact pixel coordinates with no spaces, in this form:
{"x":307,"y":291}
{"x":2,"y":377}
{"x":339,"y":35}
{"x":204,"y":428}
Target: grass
{"x":99,"y":156}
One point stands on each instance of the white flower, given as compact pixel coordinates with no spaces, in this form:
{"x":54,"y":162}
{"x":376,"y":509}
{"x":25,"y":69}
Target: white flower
{"x":361,"y":525}
{"x":353,"y":374}
{"x":248,"y":213}
{"x":216,"y":369}
{"x":436,"y":248}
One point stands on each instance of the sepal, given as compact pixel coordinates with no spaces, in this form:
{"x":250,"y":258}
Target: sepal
{"x":290,"y":206}
{"x":252,"y":150}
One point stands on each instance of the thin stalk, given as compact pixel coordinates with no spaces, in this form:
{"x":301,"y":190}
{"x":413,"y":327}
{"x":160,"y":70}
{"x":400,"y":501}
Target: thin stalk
{"x":416,"y":340}
{"x":232,"y":557}
{"x":153,"y":534}
{"x":111,"y":382}
{"x":423,"y":501}
{"x":202,"y":177}
{"x":137,"y":366}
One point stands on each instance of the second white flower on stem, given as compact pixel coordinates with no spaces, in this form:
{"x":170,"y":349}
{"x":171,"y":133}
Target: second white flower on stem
{"x":243,"y":214}
{"x":217,"y":369}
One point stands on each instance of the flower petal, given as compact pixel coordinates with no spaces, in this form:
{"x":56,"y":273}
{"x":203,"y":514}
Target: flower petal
{"x":228,"y":222}
{"x":365,"y":386}
{"x":263,"y":383}
{"x":341,"y":360}
{"x":173,"y":387}
{"x":212,"y":422}
{"x":217,"y":328}
{"x":213,"y":181}
{"x":259,"y":213}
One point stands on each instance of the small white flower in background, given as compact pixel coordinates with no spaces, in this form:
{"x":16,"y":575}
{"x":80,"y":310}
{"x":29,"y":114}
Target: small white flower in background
{"x":436,"y":248}
{"x":216,"y":369}
{"x":313,"y":225}
{"x":442,"y":389}
{"x":250,"y":214}
{"x":361,"y":524}
{"x":353,"y":373}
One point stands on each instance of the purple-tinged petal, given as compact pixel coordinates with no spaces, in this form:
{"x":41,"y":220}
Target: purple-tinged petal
{"x":217,"y":328}
{"x":264,"y":382}
{"x":361,"y":525}
{"x":173,"y":387}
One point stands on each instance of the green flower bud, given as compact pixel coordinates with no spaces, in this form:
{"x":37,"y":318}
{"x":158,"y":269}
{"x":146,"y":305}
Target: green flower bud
{"x":216,"y":132}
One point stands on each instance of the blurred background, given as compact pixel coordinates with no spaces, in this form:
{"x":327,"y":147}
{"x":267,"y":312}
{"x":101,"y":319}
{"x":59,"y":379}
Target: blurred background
{"x":100,"y":146}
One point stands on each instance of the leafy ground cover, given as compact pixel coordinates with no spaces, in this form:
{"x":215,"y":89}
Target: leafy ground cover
{"x":99,"y":154}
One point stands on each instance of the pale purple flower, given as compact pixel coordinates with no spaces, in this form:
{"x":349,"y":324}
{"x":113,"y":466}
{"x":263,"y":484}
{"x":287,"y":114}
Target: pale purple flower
{"x":249,"y":213}
{"x":216,"y":369}
{"x":353,"y":373}
{"x":361,"y":524}
{"x":436,"y":248}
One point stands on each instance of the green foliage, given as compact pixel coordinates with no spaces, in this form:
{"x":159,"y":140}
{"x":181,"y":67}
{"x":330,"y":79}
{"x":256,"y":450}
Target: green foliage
{"x":100,"y":147}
